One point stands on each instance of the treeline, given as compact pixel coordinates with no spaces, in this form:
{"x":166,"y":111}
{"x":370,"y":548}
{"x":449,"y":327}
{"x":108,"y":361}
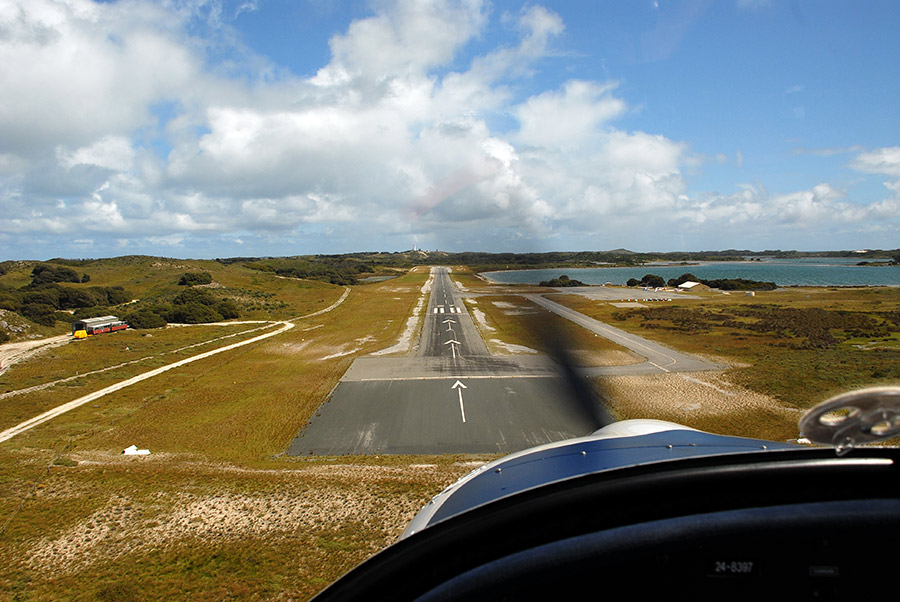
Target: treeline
{"x":45,"y":274}
{"x":43,"y":300}
{"x":867,"y":254}
{"x":342,"y":270}
{"x":342,"y":274}
{"x":725,"y":284}
{"x":740,"y":284}
{"x":194,"y":278}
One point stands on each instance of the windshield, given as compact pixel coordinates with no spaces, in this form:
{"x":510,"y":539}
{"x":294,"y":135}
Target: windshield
{"x":275,"y":273}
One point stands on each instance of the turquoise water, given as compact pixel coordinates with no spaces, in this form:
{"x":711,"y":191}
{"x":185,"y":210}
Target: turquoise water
{"x":819,"y":271}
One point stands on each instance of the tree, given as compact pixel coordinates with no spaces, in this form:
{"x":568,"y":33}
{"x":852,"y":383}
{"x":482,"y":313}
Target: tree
{"x":228,"y":309}
{"x":652,"y":280}
{"x":193,"y":313}
{"x":144,"y":318}
{"x":45,"y":296}
{"x":192,"y":278}
{"x":562,"y":281}
{"x":40,"y":313}
{"x":45,"y":274}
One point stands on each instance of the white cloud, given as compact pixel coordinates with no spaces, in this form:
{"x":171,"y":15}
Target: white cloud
{"x":172,"y":240}
{"x":123,"y":126}
{"x":754,"y":210}
{"x":110,"y":152}
{"x":569,"y":117}
{"x":403,"y":39}
{"x":82,"y":70}
{"x":880,"y":161}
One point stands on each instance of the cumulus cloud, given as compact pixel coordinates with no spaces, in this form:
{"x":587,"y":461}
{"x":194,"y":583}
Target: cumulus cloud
{"x":76,"y":71}
{"x":754,"y":213}
{"x":880,"y":161}
{"x":123,"y":125}
{"x":569,"y":117}
{"x":110,"y":152}
{"x":403,"y":39}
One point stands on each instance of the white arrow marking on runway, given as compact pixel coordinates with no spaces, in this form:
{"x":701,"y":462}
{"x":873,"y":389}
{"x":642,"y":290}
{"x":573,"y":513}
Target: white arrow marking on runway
{"x":453,"y":345}
{"x":448,"y":323}
{"x":459,"y":387}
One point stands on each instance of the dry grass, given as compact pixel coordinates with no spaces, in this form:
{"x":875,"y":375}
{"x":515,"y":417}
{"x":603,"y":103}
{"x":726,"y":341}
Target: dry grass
{"x":215,"y":512}
{"x":100,"y":361}
{"x":706,"y":401}
{"x":181,"y":528}
{"x":774,"y":363}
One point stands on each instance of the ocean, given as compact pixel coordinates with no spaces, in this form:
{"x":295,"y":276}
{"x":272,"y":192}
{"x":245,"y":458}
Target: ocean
{"x":809,"y":271}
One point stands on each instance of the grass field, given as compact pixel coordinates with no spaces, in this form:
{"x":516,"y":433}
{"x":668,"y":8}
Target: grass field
{"x":800,"y":346}
{"x":217,"y":512}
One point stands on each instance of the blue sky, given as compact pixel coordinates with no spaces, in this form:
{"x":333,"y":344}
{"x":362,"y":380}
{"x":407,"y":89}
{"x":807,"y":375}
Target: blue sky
{"x":215,"y":128}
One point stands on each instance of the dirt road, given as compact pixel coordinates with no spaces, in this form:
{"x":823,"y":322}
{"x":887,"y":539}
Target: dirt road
{"x":12,"y":353}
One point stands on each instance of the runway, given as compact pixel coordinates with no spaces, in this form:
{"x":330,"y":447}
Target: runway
{"x":441,"y":416}
{"x":449,"y":330}
{"x":454,"y":397}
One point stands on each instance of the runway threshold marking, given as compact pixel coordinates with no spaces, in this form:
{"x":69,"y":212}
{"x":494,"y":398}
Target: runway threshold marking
{"x":459,"y":387}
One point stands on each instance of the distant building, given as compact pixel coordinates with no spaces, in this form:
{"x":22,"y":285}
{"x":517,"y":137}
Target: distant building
{"x":99,"y":325}
{"x":692,"y":286}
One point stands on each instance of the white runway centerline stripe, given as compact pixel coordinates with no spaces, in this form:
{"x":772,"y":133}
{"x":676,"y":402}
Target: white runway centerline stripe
{"x":459,"y":387}
{"x":462,"y":408}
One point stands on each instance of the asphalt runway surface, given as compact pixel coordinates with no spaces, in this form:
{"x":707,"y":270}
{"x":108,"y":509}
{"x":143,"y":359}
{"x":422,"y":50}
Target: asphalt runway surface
{"x":454,"y":397}
{"x":439,"y":416}
{"x":449,"y":330}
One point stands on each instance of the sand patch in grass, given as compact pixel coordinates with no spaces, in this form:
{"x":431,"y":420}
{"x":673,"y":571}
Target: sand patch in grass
{"x":706,"y":401}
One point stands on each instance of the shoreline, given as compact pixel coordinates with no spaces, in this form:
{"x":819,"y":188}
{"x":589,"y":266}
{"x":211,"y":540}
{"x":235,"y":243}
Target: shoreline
{"x":490,"y":280}
{"x":574,"y":272}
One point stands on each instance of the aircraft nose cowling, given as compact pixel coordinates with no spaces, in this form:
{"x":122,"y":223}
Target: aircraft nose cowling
{"x":618,"y":445}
